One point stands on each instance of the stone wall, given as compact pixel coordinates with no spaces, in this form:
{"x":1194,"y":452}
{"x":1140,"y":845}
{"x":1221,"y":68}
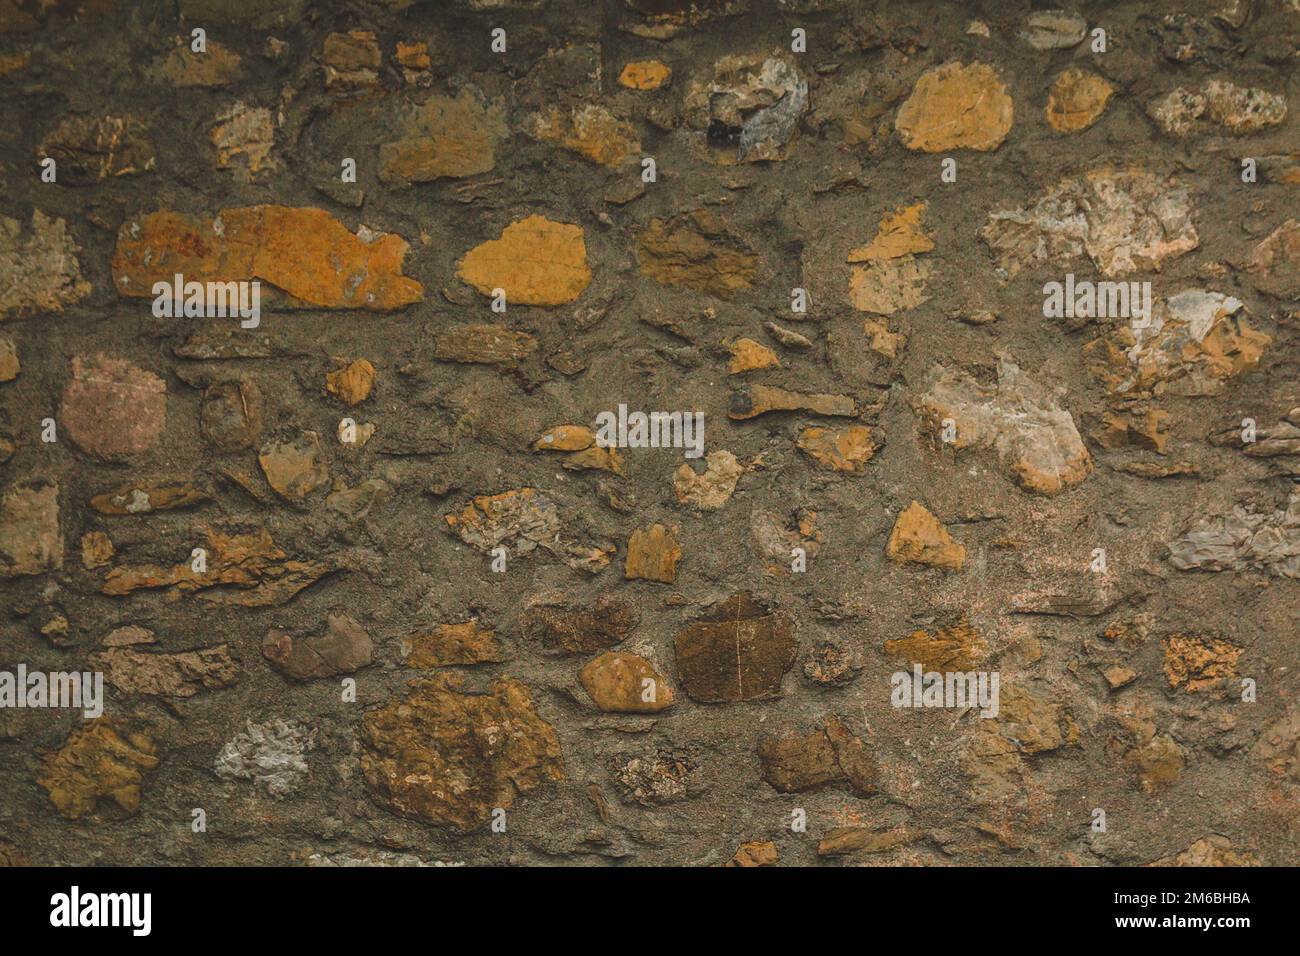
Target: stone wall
{"x":973,"y":331}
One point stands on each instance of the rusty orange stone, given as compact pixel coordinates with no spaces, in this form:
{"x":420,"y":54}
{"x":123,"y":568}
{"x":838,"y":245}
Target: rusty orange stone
{"x":645,"y":75}
{"x":536,"y":262}
{"x":303,"y":251}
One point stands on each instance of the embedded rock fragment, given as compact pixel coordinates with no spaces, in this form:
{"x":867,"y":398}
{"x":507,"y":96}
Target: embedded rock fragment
{"x":1032,"y":435}
{"x":100,"y":760}
{"x":956,"y":106}
{"x":740,"y":651}
{"x":954,"y":648}
{"x":9,"y":364}
{"x":579,"y":629}
{"x":96,"y":550}
{"x":1243,"y":538}
{"x":452,"y":758}
{"x":483,"y":345}
{"x":645,"y":75}
{"x":712,"y":489}
{"x":522,"y":521}
{"x":39,"y":271}
{"x":272,"y":754}
{"x":294,"y":469}
{"x":918,"y":537}
{"x":179,"y":675}
{"x":591,"y":131}
{"x":1199,"y":663}
{"x":143,"y":498}
{"x":755,"y":853}
{"x":748,"y":356}
{"x":697,"y":251}
{"x":1157,"y":763}
{"x":455,"y":644}
{"x":305,"y":252}
{"x":839,"y":449}
{"x":1219,"y":103}
{"x":231,"y":414}
{"x":892,"y":279}
{"x":626,"y":684}
{"x":755,"y":400}
{"x":830,"y":756}
{"x":1275,"y":262}
{"x":1208,"y":851}
{"x":1054,"y":30}
{"x":845,"y":841}
{"x":899,"y":234}
{"x":535,"y":262}
{"x":343,"y":648}
{"x":656,"y":778}
{"x":87,"y":149}
{"x":1077,"y":100}
{"x":30,"y":539}
{"x":1124,"y":220}
{"x":652,"y":555}
{"x":750,"y":107}
{"x":244,"y":137}
{"x":351,"y":383}
{"x":217,"y":66}
{"x":351,"y":60}
{"x":113,"y":409}
{"x":445,"y":137}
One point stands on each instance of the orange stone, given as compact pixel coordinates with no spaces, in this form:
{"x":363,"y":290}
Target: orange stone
{"x":303,"y":251}
{"x":652,"y":554}
{"x":1077,"y":100}
{"x":955,"y":106}
{"x":645,"y":75}
{"x":535,"y":262}
{"x":621,"y":683}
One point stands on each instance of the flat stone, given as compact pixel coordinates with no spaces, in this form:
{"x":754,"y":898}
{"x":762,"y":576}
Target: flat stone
{"x":954,"y":648}
{"x":147,"y":497}
{"x":343,"y":648}
{"x":10,"y":366}
{"x":522,"y":520}
{"x":536,"y":262}
{"x":113,"y":409}
{"x":272,"y":754}
{"x":217,"y":66}
{"x":828,"y":757}
{"x":231,"y":414}
{"x":88,"y":149}
{"x":294,"y":469}
{"x":1200,"y":663}
{"x":956,"y":106}
{"x":1054,"y":30}
{"x":697,"y":251}
{"x":645,"y":75}
{"x":748,"y":356}
{"x":483,"y":345}
{"x":493,"y":746}
{"x":844,"y":449}
{"x":580,"y":629}
{"x":652,"y":555}
{"x":623,"y":683}
{"x":1274,"y":264}
{"x":39,"y":271}
{"x":96,"y":550}
{"x":1077,"y":100}
{"x":445,"y":137}
{"x":737,"y":652}
{"x":455,"y":644}
{"x":180,"y":675}
{"x":590,"y":131}
{"x":351,"y":383}
{"x":758,"y":400}
{"x":30,"y":539}
{"x":1219,"y":105}
{"x":749,"y":109}
{"x":919,"y":538}
{"x":243,"y":137}
{"x":101,"y":760}
{"x":712,"y":489}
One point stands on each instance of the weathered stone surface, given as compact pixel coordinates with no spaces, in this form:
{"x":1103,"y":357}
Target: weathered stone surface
{"x":831,"y":663}
{"x":101,"y":760}
{"x":455,"y":644}
{"x":1219,"y":104}
{"x":899,"y":234}
{"x":756,"y":853}
{"x":445,"y":137}
{"x":536,"y":262}
{"x":591,"y":131}
{"x":181,"y":675}
{"x":350,"y":60}
{"x":750,"y":108}
{"x":1243,"y":538}
{"x":217,"y":66}
{"x":483,"y":345}
{"x":697,"y":251}
{"x":451,"y":758}
{"x":1275,"y":262}
{"x":1124,"y":220}
{"x":30,"y":539}
{"x":273,"y":755}
{"x":522,"y":521}
{"x":652,"y":555}
{"x":10,"y":366}
{"x":294,"y":469}
{"x":755,"y":400}
{"x":243,"y":137}
{"x":1032,"y":435}
{"x":1077,"y":100}
{"x":645,"y":75}
{"x":1053,"y":30}
{"x":1157,"y":764}
{"x":829,"y":756}
{"x":144,"y":498}
{"x":343,"y":648}
{"x":577,"y":629}
{"x":1207,"y":851}
{"x":231,"y":414}
{"x":956,"y":106}
{"x":90,"y":148}
{"x":39,"y":271}
{"x":712,"y":489}
{"x":113,"y":409}
{"x":96,"y":550}
{"x":846,"y":841}
{"x":352,"y":382}
{"x":305,"y":252}
{"x":737,"y":652}
{"x":623,"y":683}
{"x":1199,"y":663}
{"x":663,"y":776}
{"x":748,"y":356}
{"x":918,"y":537}
{"x":844,"y":449}
{"x":954,"y":648}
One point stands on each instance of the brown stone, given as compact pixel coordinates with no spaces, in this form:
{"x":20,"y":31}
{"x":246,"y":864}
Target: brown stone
{"x":523,"y":519}
{"x":455,"y":644}
{"x":30,"y":540}
{"x":956,"y":106}
{"x":756,"y":853}
{"x":952,"y":648}
{"x":829,"y":756}
{"x":352,"y":383}
{"x":351,"y":60}
{"x":1199,"y":663}
{"x":483,"y":345}
{"x":748,"y":355}
{"x":231,"y":414}
{"x":566,"y":438}
{"x":591,"y":131}
{"x":180,"y":675}
{"x":99,"y":760}
{"x":580,"y":630}
{"x":1208,"y":851}
{"x":535,"y":262}
{"x":1275,"y":262}
{"x":918,"y":537}
{"x":88,"y":149}
{"x":839,"y":449}
{"x":652,"y":555}
{"x":144,"y":498}
{"x":113,"y":409}
{"x":696,"y":250}
{"x":737,"y":652}
{"x":445,"y":137}
{"x":294,"y":469}
{"x":712,"y":489}
{"x":343,"y":648}
{"x":39,"y":271}
{"x":451,"y":758}
{"x":645,"y":75}
{"x":755,"y":400}
{"x":96,"y":550}
{"x":1077,"y":100}
{"x":243,"y":137}
{"x":305,"y":252}
{"x":9,"y":364}
{"x":1157,"y":763}
{"x":846,"y":841}
{"x":622,"y":683}
{"x":216,"y":66}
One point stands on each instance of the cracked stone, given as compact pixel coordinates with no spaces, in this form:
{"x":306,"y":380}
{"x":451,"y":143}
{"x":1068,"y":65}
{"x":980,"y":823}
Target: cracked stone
{"x":652,"y":555}
{"x":697,"y":251}
{"x":101,"y":760}
{"x":737,"y":652}
{"x":712,"y":489}
{"x":830,"y":756}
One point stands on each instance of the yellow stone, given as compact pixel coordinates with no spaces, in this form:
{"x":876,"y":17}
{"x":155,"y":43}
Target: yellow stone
{"x":566,"y":438}
{"x":918,"y":537}
{"x":899,"y":234}
{"x":645,"y":75}
{"x":840,"y":449}
{"x":956,"y":106}
{"x":352,"y":383}
{"x":535,"y":262}
{"x":622,"y":683}
{"x":748,"y":355}
{"x":1077,"y":100}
